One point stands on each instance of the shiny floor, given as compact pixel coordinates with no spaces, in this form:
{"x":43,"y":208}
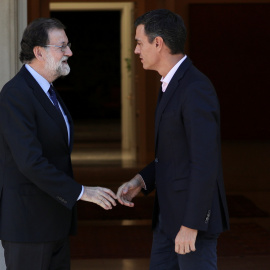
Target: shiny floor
{"x":251,"y":262}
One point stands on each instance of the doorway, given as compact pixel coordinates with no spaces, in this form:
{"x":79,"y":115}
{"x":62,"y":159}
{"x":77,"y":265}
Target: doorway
{"x":99,"y":91}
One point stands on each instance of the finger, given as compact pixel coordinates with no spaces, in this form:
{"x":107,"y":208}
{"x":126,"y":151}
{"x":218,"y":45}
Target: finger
{"x":187,"y":249}
{"x":127,"y":200}
{"x":107,"y":204}
{"x":110,"y":192}
{"x":182,"y":249}
{"x":176,"y":248}
{"x":120,"y":200}
{"x":119,"y":194}
{"x":127,"y":203}
{"x":126,"y":187}
{"x":108,"y":198}
{"x":104,"y":205}
{"x":192,"y":247}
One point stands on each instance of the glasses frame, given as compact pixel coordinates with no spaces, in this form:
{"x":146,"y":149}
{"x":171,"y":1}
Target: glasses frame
{"x":63,"y":47}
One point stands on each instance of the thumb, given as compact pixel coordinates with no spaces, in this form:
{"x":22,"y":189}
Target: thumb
{"x":127,"y":187}
{"x":125,"y":190}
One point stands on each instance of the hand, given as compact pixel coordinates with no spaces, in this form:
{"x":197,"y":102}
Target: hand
{"x":103,"y":197}
{"x":185,"y":240}
{"x":129,"y":190}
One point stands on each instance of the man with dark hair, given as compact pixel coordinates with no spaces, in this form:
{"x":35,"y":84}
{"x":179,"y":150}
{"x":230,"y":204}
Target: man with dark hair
{"x":190,"y":204}
{"x":37,"y":191}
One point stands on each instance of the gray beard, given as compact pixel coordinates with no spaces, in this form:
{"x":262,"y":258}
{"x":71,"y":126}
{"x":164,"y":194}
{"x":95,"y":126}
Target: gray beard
{"x":57,"y":69}
{"x":63,"y":70}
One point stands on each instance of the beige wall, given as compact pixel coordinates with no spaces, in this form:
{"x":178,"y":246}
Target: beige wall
{"x":13,"y":19}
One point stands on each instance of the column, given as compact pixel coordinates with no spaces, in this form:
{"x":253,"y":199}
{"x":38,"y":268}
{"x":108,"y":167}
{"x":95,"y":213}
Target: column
{"x":13,"y":20}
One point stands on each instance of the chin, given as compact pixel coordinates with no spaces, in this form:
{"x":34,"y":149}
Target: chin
{"x":64,"y":71}
{"x":145,"y":67}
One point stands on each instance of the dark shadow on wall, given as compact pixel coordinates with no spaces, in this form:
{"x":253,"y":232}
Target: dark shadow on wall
{"x":92,"y":90}
{"x":230,"y":44}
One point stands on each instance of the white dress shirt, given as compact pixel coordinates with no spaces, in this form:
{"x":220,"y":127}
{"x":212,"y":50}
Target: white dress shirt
{"x":165,"y":81}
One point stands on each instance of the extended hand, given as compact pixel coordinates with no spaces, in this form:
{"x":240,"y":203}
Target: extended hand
{"x":185,"y":240}
{"x":103,"y":197}
{"x":129,"y":190}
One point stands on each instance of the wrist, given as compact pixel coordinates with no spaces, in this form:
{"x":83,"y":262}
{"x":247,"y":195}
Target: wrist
{"x":140,"y":181}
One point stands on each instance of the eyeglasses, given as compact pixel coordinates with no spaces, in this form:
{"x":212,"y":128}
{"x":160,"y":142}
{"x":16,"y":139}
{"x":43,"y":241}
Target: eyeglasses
{"x":63,"y":47}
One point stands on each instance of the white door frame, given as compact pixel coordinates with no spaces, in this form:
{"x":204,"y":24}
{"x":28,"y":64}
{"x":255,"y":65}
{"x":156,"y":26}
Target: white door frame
{"x":127,"y":75}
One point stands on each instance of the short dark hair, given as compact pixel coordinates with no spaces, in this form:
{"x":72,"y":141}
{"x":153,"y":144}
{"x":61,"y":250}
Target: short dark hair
{"x":167,"y":25}
{"x":37,"y":34}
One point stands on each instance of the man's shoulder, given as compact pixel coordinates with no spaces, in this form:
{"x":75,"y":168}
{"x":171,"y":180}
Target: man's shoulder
{"x":18,"y":87}
{"x":192,"y":74}
{"x":17,"y":83}
{"x":187,"y":70}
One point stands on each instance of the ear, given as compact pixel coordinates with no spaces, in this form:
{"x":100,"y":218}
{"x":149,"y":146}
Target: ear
{"x":158,"y":42}
{"x":38,"y":52}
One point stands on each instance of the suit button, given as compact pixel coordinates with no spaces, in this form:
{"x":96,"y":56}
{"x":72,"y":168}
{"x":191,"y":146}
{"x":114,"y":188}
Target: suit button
{"x":156,"y":160}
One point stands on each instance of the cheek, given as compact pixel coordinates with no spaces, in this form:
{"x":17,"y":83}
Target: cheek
{"x":59,"y":61}
{"x":150,"y":55}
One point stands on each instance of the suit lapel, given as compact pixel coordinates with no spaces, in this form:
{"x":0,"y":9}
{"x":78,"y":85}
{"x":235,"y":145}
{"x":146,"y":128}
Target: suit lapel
{"x":167,"y":95}
{"x":47,"y":104}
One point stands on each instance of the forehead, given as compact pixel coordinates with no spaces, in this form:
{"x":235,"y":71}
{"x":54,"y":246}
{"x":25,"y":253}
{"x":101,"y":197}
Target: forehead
{"x":57,"y":35}
{"x":140,"y":33}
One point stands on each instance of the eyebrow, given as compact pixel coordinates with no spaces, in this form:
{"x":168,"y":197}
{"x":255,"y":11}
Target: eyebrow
{"x":62,"y":43}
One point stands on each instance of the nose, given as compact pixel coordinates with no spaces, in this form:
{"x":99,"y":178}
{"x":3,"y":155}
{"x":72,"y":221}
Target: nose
{"x":68,"y":51}
{"x":137,"y":50}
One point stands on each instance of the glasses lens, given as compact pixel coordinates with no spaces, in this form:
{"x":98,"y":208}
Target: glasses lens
{"x":64,"y":47}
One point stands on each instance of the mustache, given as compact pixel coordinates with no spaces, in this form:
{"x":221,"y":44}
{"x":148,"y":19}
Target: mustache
{"x":64,"y":58}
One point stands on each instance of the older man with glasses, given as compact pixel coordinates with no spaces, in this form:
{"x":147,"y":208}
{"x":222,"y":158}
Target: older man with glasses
{"x":38,"y":193}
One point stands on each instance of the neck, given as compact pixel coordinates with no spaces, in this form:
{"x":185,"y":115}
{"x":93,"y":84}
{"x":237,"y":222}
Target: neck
{"x":169,"y":62}
{"x":42,"y":71}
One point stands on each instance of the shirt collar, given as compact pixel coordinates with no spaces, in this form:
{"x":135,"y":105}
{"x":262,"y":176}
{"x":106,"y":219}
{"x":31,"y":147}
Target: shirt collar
{"x":44,"y":84}
{"x":165,"y":81}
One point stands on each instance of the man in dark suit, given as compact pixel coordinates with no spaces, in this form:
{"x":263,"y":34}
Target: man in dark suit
{"x":37,"y":191}
{"x":190,"y":205}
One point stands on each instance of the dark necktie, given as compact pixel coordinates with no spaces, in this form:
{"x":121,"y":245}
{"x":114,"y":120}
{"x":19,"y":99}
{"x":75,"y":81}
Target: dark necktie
{"x":54,"y":98}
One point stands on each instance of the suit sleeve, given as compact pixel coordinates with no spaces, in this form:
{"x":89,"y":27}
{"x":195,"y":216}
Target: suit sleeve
{"x":19,"y":131}
{"x":201,"y":121}
{"x":148,"y":175}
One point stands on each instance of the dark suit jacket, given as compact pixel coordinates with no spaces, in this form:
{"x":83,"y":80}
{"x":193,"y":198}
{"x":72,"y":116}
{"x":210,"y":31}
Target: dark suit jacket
{"x":187,"y":171}
{"x":37,"y":190}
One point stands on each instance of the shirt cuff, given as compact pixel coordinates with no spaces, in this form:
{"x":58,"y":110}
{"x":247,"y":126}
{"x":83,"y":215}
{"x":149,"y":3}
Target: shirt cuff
{"x":81,"y":193}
